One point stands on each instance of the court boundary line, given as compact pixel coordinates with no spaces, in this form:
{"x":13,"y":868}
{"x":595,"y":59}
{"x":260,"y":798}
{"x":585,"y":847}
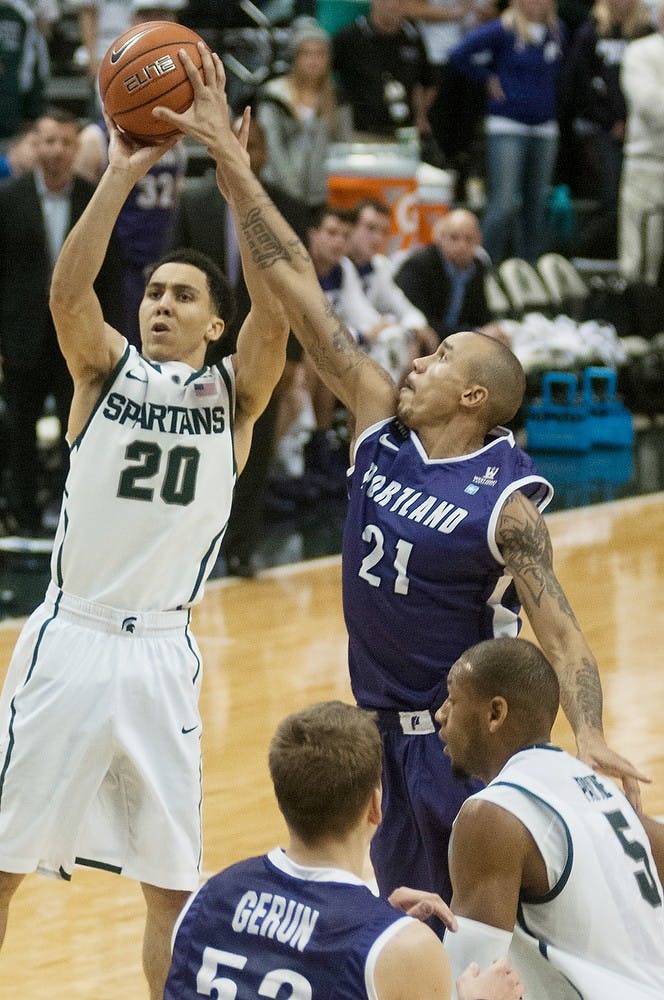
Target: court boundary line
{"x":321,"y":562}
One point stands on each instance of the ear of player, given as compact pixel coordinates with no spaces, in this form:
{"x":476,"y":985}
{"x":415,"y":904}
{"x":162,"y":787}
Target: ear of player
{"x":143,"y":69}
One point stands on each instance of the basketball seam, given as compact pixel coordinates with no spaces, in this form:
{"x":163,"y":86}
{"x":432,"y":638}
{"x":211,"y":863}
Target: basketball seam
{"x":137,"y":107}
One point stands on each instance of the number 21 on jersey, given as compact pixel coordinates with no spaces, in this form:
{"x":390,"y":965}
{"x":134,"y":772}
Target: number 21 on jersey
{"x":377,"y":554}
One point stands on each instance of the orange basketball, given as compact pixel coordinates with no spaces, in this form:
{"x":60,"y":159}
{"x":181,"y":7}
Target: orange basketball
{"x":142,"y":69}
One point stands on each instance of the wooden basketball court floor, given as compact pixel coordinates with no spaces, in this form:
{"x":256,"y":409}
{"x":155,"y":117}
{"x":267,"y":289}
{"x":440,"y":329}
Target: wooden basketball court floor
{"x":277,"y":643}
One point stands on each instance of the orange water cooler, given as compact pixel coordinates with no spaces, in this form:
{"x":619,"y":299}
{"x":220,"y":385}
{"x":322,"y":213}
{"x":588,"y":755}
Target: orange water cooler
{"x":378,"y":170}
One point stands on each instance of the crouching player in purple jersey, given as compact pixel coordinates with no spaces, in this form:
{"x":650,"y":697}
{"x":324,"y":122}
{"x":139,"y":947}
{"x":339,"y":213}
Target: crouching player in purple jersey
{"x":302,"y":918}
{"x":444,"y":542}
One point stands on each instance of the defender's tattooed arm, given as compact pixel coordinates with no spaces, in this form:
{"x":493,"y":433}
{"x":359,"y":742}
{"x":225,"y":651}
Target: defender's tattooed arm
{"x":525,"y":544}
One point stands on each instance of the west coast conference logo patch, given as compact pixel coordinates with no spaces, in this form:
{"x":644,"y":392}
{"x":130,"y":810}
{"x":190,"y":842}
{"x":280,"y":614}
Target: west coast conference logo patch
{"x":488,"y":479}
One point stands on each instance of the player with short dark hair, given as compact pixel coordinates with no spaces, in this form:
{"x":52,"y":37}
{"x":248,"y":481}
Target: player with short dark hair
{"x":106,"y":673}
{"x":549,"y":855}
{"x":221,"y":293}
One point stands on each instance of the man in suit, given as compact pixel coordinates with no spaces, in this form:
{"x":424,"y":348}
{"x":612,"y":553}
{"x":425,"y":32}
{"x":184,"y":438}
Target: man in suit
{"x":37,"y":210}
{"x":203,"y":222}
{"x":446,"y":279}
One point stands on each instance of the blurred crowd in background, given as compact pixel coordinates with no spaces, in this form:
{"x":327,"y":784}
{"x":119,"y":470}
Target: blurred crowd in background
{"x":417,"y":147}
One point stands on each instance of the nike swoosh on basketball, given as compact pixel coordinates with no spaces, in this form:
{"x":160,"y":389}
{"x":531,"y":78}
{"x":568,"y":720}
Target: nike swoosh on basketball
{"x":118,"y":53}
{"x":137,"y":378}
{"x":384,"y":439}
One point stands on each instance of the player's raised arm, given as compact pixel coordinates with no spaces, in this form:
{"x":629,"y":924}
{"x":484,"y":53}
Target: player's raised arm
{"x":276,"y":255}
{"x":91,"y":347}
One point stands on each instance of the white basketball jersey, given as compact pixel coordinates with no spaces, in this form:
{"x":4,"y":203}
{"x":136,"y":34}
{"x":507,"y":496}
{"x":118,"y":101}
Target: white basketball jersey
{"x":602,"y":923}
{"x":150,"y":485}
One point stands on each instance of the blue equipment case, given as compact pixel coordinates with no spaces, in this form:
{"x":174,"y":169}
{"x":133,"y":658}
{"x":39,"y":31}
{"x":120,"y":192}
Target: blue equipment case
{"x":610,"y":420}
{"x":567,"y":418}
{"x":560,"y":421}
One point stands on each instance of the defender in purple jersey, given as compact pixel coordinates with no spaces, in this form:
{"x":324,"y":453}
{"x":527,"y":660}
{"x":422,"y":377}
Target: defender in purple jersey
{"x":434,"y":553}
{"x":303,"y":918}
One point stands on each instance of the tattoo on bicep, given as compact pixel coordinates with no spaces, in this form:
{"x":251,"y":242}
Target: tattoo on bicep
{"x":526,"y":545}
{"x":264,"y":245}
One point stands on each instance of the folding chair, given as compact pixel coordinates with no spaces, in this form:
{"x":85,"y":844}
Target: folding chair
{"x":499,"y":305}
{"x":526,"y":290}
{"x":567,"y":290}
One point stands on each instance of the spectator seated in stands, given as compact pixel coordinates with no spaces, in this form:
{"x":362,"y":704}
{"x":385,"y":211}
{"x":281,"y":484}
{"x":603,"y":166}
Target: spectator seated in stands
{"x":20,"y":152}
{"x":370,"y":226}
{"x":382,"y":336}
{"x":446,"y":279}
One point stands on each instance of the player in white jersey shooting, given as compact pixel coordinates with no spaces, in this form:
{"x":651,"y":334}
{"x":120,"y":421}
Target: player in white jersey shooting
{"x":99,"y":722}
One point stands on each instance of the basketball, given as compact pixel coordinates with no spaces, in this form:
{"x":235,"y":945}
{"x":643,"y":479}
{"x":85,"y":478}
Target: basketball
{"x":142,"y":69}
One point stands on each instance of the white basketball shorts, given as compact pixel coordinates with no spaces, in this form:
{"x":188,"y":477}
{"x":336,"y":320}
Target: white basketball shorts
{"x":100,"y":760}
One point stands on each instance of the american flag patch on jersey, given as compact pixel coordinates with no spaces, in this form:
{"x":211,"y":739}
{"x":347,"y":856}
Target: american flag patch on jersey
{"x":205,"y":388}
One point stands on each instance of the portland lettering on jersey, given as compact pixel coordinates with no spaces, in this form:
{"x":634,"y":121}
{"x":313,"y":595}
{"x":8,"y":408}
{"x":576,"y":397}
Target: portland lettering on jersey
{"x":276,"y":917}
{"x":167,"y":419}
{"x":434,"y":512}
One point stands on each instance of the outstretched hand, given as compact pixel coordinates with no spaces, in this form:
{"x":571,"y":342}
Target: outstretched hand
{"x":498,"y":982}
{"x":124,"y":153}
{"x":594,"y":752}
{"x":207,"y":120}
{"x":422,"y":905}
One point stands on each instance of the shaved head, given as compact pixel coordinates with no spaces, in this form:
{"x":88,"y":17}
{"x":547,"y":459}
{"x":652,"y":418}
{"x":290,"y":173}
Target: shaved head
{"x":496,"y":367}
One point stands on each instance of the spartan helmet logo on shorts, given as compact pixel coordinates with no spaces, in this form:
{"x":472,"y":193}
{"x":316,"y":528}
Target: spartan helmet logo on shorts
{"x":129,"y":624}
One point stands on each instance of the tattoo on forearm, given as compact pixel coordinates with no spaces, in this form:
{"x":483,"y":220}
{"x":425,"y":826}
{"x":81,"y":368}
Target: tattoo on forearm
{"x":581,"y":694}
{"x":297,"y":249}
{"x":526,"y":545}
{"x":589,"y":694}
{"x":336,"y":351}
{"x":264,"y":245}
